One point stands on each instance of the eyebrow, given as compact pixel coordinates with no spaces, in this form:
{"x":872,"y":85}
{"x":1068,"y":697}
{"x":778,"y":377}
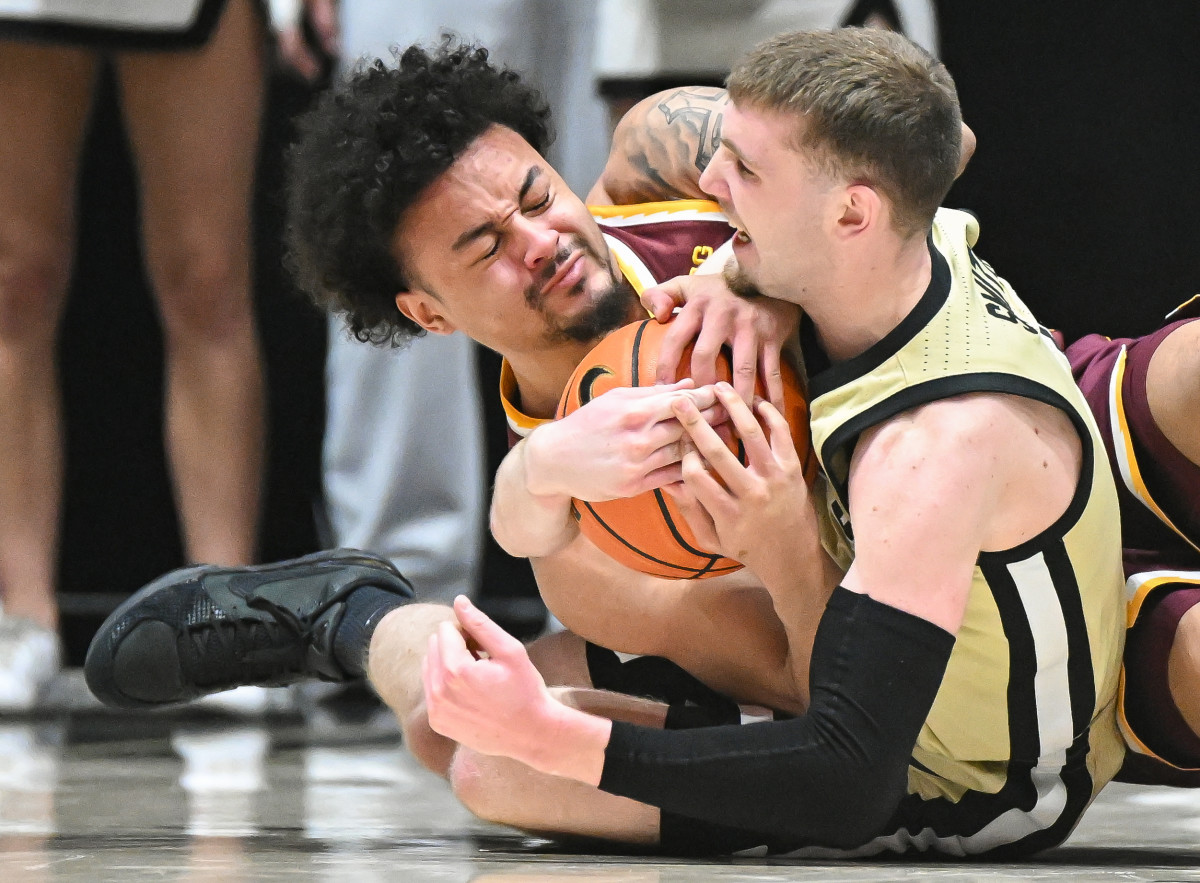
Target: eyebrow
{"x":733,"y":148}
{"x":531,"y":176}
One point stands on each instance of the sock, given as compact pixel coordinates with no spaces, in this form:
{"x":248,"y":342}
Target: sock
{"x":365,"y":607}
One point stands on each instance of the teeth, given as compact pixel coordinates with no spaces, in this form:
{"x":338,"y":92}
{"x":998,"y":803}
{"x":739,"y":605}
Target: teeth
{"x":742,"y":236}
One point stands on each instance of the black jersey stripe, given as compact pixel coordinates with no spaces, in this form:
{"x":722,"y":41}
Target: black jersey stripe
{"x":919,"y":822}
{"x":931,"y":302}
{"x":839,"y":446}
{"x":1081,"y":673}
{"x":1024,"y":737}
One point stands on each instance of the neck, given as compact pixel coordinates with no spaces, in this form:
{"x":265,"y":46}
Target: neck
{"x":870,"y":299}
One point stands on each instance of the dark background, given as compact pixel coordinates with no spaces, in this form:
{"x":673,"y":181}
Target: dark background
{"x":1086,"y":181}
{"x":1087,"y":175}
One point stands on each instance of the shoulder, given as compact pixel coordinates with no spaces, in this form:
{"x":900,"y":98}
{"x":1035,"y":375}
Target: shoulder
{"x":969,"y":470}
{"x":940,"y":437}
{"x":924,"y":490}
{"x":984,"y":469}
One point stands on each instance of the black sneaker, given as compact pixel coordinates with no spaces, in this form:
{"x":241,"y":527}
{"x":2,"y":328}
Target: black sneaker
{"x":200,"y":630}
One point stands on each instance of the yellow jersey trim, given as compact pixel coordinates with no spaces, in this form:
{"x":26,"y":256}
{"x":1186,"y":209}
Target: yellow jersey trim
{"x":519,"y":422}
{"x":1137,"y":589}
{"x":1127,"y":464}
{"x":693,"y":209}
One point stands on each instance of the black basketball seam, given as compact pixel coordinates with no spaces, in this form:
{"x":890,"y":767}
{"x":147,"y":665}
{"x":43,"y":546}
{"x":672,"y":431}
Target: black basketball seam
{"x":694,"y":572}
{"x":662,"y":503}
{"x":600,"y":521}
{"x":666,"y":514}
{"x":637,"y":348}
{"x":590,"y":376}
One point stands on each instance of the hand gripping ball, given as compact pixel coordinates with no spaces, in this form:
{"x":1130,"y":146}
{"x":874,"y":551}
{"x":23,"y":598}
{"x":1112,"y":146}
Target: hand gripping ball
{"x":647,"y":533}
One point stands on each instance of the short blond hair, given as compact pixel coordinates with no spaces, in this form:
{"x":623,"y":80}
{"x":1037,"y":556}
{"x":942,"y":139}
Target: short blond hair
{"x":876,"y":108}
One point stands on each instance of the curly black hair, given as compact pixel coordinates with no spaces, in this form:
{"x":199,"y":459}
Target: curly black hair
{"x":366,"y":151}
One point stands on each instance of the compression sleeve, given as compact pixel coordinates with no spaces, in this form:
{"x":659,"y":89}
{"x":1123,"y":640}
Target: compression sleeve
{"x":832,"y":777}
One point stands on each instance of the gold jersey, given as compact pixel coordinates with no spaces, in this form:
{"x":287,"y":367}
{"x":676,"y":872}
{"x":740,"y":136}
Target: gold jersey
{"x":1022,"y":734}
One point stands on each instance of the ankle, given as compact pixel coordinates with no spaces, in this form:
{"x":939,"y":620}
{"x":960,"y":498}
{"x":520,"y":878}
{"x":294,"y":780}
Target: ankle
{"x":366,"y":608}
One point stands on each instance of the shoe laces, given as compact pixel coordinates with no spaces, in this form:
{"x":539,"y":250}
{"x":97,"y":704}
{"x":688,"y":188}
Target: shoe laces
{"x":233,"y":650}
{"x":257,"y":650}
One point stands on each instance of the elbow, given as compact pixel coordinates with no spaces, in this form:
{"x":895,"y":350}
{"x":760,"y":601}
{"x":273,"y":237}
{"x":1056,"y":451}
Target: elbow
{"x":501,"y":534}
{"x":864,"y":806}
{"x":521,"y":542}
{"x":509,"y":538}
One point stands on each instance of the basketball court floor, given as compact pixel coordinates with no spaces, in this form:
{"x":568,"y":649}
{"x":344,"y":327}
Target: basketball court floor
{"x":316,"y":787}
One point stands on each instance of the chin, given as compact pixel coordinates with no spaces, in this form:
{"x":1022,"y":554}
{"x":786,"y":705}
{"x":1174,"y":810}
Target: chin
{"x":608,"y":309}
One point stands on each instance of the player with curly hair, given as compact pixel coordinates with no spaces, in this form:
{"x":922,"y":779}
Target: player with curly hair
{"x":420,"y":203}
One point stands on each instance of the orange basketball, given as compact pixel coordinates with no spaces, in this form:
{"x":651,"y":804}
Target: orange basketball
{"x":647,"y":532}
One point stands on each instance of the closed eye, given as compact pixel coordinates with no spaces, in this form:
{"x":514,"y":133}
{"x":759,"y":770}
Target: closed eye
{"x":538,"y":207}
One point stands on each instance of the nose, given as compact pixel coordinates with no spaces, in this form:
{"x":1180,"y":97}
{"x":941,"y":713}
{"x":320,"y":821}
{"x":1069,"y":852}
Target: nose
{"x":712,"y":179}
{"x":539,"y":240}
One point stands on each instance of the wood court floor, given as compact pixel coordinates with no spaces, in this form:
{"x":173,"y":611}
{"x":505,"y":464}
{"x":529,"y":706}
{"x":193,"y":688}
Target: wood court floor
{"x":317,"y":790}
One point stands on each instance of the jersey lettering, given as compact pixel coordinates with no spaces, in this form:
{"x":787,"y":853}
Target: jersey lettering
{"x":993,"y":292}
{"x":700,"y":254}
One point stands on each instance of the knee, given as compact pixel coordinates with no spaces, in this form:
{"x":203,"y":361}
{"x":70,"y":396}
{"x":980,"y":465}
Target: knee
{"x":33,"y":288}
{"x":478,"y":788}
{"x":433,"y":751}
{"x":204,"y":294}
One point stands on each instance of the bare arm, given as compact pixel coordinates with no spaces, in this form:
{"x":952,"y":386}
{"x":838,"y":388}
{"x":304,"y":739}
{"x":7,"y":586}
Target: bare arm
{"x":1173,"y":388}
{"x":664,"y":142}
{"x":931,"y":490}
{"x":661,"y":146}
{"x":723,"y":630}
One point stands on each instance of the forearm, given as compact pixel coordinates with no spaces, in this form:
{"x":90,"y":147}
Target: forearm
{"x":723,"y":631}
{"x":527,"y":523}
{"x":833,"y":776}
{"x":799,"y":582}
{"x":661,"y":146}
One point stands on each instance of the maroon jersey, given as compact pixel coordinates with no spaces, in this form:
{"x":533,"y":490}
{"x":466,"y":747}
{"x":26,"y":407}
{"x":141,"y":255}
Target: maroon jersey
{"x":1159,"y":492}
{"x":657,"y":241}
{"x":1159,"y":487}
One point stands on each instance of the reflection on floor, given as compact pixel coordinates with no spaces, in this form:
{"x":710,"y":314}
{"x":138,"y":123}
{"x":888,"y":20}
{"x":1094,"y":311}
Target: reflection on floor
{"x":312,"y":786}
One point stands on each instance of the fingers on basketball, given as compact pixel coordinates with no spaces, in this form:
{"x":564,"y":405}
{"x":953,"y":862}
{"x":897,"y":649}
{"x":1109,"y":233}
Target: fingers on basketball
{"x":650,"y":532}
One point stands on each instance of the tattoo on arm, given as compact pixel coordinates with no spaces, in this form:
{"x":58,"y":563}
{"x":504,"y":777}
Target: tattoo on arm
{"x":694,"y":115}
{"x":664,"y":144}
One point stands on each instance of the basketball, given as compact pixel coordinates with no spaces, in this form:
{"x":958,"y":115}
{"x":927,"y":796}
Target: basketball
{"x":647,"y":533}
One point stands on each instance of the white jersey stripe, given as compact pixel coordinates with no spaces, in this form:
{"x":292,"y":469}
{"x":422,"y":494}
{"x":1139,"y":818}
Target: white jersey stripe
{"x":1051,"y":686}
{"x":1052,"y":694}
{"x":654,"y":217}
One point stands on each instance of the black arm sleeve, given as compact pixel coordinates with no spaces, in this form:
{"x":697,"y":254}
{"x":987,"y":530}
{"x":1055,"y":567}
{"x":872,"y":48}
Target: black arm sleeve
{"x":832,"y":777}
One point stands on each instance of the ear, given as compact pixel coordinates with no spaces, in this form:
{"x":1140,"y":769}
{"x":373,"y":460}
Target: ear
{"x":424,"y":309}
{"x":861,"y":208}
